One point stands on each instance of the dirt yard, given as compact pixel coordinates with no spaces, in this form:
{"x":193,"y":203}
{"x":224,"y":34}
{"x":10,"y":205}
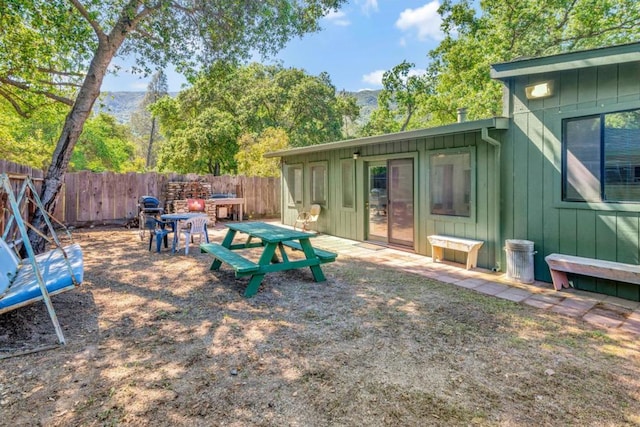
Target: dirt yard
{"x":159,"y":340}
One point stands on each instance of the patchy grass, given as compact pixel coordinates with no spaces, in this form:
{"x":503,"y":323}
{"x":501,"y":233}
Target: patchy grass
{"x":158,"y":339}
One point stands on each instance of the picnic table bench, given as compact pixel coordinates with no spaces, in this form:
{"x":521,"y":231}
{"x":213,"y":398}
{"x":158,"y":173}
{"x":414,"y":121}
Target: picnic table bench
{"x":324,"y":256}
{"x":271,"y":238}
{"x":240,"y":264}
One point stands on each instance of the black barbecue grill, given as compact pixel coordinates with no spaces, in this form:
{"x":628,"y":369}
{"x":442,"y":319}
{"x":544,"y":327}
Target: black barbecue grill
{"x":147,"y":206}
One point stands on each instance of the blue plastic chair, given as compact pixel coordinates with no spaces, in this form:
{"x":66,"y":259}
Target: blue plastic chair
{"x":158,"y":230}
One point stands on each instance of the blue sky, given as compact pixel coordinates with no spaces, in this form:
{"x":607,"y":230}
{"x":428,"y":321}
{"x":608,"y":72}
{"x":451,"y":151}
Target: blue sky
{"x":356,"y":45}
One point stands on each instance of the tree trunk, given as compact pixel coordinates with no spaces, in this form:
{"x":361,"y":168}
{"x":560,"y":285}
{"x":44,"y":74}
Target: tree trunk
{"x":153,"y":130}
{"x":73,"y":125}
{"x":406,"y":121}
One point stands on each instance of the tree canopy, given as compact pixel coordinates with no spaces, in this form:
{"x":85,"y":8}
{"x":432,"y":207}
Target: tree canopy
{"x":60,"y":50}
{"x":509,"y":29}
{"x":252,"y":148}
{"x":30,"y":140}
{"x":204,"y":124}
{"x":398,"y":101}
{"x":104,"y":145}
{"x":458,"y":71}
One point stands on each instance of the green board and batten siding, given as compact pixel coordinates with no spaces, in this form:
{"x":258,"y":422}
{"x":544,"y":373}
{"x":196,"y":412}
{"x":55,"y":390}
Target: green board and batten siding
{"x":350,"y":223}
{"x":532,"y":172}
{"x":528,"y":204}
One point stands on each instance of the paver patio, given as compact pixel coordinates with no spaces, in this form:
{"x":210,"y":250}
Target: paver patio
{"x":597,"y":309}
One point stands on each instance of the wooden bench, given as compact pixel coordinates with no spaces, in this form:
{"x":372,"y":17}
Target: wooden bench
{"x":560,"y":265}
{"x":323,"y":256}
{"x":240,"y":264}
{"x":439,"y":243}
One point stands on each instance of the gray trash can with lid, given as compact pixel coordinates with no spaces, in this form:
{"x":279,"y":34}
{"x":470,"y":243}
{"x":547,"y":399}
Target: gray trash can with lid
{"x":520,"y":260}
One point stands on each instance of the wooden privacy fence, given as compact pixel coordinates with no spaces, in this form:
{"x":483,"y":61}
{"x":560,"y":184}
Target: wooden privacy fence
{"x":111,"y":198}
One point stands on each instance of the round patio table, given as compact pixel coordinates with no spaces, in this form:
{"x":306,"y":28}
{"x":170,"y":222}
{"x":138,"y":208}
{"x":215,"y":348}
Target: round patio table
{"x":174,"y":218}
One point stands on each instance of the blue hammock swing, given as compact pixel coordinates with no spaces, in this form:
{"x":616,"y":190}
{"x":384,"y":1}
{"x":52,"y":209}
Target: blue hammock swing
{"x":37,"y":277}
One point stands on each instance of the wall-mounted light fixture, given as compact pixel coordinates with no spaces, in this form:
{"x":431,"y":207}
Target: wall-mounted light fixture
{"x":356,"y":154}
{"x":539,"y":90}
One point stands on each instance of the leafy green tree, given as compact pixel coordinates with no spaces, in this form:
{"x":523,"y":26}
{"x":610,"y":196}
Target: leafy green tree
{"x":144,"y":125}
{"x":398,"y":101}
{"x":381,"y":121}
{"x":505,"y":30}
{"x":402,"y":89}
{"x":458,"y":74}
{"x":305,"y":106}
{"x":44,"y":51}
{"x":104,"y":145}
{"x":30,"y":140}
{"x":309,"y":111}
{"x":245,"y":100}
{"x":205,"y":143}
{"x":50,"y":46}
{"x":200,"y":134}
{"x":348,"y":107}
{"x":250,"y":157}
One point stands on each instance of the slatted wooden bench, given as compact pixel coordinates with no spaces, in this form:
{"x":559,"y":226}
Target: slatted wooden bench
{"x":560,"y":265}
{"x":241,"y":265}
{"x":323,"y":256}
{"x":439,"y":243}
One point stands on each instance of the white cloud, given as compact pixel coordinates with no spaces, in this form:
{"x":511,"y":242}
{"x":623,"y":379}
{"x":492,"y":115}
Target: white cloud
{"x":368,"y":6}
{"x":417,"y":72}
{"x":337,"y":18}
{"x":374,"y":77}
{"x":402,"y":42}
{"x":425,"y":20}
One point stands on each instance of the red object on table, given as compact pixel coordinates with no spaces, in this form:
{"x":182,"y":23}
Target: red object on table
{"x":195,"y":205}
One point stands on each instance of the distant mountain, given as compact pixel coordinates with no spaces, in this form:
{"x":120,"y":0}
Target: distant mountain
{"x":119,"y":104}
{"x":122,"y":104}
{"x":368,"y":101}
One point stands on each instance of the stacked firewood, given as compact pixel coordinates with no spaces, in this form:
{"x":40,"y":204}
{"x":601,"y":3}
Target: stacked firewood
{"x":185,"y":190}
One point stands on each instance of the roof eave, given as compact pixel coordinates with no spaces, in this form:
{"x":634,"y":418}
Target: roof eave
{"x":567,"y":61}
{"x":494,"y":123}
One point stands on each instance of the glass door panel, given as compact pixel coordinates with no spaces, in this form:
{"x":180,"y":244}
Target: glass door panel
{"x":401,"y":202}
{"x":376,"y":202}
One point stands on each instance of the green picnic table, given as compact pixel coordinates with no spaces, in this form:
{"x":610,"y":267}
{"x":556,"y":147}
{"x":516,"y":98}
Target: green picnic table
{"x":271,"y":238}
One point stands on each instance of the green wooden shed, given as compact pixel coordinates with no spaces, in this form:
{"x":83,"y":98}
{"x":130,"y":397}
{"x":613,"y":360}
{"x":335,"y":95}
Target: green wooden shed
{"x":561,"y":168}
